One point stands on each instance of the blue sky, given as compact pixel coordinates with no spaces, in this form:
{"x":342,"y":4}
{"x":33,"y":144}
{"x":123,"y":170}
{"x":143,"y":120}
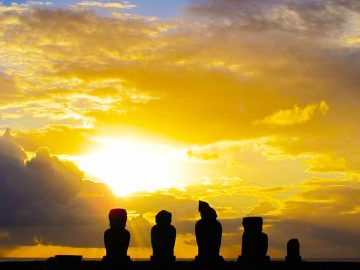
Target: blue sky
{"x":158,"y":8}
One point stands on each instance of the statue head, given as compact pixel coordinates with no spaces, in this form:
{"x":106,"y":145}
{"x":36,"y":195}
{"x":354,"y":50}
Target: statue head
{"x":163,"y":218}
{"x":206,"y":212}
{"x":293,"y":245}
{"x":117,"y":218}
{"x":252,"y":224}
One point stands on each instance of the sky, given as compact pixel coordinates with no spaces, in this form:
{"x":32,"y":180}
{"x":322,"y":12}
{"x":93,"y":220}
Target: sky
{"x":250,"y":105}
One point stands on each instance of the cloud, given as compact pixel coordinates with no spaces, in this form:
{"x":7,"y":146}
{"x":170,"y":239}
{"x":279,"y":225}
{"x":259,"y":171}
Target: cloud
{"x":44,"y":194}
{"x":202,"y":156}
{"x":4,"y":235}
{"x":75,"y":140}
{"x":47,"y":204}
{"x":143,"y":72}
{"x":47,"y":199}
{"x":327,"y":163}
{"x":242,"y":159}
{"x":313,"y":216}
{"x":289,"y":16}
{"x":325,"y":152}
{"x":67,"y":99}
{"x":295,"y":116}
{"x":26,"y":185}
{"x":113,"y":5}
{"x":10,"y":149}
{"x":8,"y":87}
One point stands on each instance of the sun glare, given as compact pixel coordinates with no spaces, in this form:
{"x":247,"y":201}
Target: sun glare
{"x":129,"y":166}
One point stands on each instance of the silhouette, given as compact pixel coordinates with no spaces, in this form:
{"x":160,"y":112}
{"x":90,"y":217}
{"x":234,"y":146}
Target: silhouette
{"x":68,"y":261}
{"x":254,"y":241}
{"x":50,"y":264}
{"x":208,"y":235}
{"x":163,"y":236}
{"x":293,"y":251}
{"x":186,"y":265}
{"x":117,"y":238}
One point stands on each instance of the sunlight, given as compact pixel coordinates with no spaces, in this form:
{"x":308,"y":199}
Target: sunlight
{"x":129,"y":166}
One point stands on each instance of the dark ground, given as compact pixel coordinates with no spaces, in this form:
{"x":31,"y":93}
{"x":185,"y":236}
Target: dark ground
{"x":144,"y":265}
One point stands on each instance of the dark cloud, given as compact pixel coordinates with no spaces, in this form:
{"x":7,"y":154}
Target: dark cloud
{"x":44,"y":195}
{"x":312,"y":16}
{"x":28,"y":188}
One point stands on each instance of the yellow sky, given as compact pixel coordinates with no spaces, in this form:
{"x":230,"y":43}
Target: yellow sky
{"x":251,"y":107}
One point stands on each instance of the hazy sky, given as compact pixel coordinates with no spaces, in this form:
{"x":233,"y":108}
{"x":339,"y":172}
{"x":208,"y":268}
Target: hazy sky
{"x":250,"y":105}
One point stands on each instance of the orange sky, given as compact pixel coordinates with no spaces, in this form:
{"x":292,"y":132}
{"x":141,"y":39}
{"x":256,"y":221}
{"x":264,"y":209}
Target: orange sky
{"x":252,"y":106}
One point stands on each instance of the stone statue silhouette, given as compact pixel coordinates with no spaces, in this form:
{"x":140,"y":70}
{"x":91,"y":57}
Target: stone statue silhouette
{"x":163,"y":236}
{"x":293,"y":251}
{"x":254,"y":241}
{"x":117,"y":238}
{"x":208,"y":235}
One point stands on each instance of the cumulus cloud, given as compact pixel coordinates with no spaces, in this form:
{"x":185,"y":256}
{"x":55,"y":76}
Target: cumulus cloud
{"x":42,"y":193}
{"x":10,"y":149}
{"x":34,"y":182}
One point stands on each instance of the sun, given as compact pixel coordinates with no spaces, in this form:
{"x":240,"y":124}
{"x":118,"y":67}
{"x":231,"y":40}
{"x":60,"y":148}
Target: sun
{"x":129,"y":166}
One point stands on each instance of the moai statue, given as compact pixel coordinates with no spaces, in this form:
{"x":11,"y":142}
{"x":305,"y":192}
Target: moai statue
{"x":117,"y":238}
{"x":208,"y":235}
{"x":254,"y":242}
{"x":163,"y":236}
{"x":293,"y":251}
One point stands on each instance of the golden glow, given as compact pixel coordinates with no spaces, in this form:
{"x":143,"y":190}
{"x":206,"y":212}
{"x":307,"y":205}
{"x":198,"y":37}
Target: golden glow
{"x":129,"y":166}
